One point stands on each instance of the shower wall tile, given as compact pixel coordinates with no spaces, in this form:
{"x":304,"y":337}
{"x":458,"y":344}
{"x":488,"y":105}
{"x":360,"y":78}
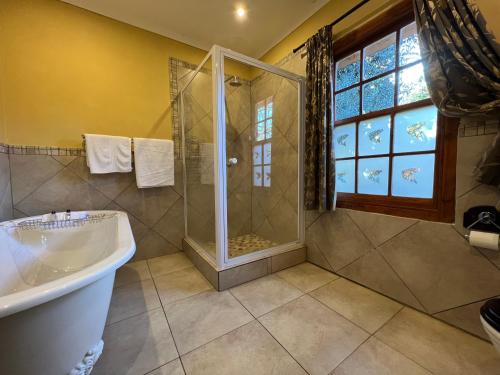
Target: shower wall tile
{"x":6,"y":212}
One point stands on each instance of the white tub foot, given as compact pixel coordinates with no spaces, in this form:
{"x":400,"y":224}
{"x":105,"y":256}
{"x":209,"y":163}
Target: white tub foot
{"x":87,"y":364}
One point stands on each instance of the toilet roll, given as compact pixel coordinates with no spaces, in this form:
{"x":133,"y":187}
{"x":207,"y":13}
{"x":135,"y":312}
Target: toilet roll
{"x":485,"y":240}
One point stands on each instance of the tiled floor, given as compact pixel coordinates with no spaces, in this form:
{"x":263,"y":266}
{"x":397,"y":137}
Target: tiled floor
{"x":165,"y":318}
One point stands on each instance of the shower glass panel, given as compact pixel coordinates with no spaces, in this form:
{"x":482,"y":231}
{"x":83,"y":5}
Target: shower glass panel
{"x":198,"y":137}
{"x":242,"y":134}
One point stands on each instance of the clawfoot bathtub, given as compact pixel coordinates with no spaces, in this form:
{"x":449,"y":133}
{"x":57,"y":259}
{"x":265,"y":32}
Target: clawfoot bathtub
{"x":56,"y":280}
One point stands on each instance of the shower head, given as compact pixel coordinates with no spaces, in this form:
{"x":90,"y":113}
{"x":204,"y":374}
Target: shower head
{"x":234,"y":81}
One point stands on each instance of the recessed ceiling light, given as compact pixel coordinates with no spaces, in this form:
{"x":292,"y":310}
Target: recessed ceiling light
{"x":241,"y":12}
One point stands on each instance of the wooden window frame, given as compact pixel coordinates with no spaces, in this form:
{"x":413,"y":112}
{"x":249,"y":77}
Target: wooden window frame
{"x":441,"y":206}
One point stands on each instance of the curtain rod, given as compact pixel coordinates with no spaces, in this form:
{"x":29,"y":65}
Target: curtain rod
{"x":346,"y":14}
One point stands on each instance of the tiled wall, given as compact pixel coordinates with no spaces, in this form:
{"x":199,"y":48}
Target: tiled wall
{"x":43,"y":181}
{"x":5,"y":187}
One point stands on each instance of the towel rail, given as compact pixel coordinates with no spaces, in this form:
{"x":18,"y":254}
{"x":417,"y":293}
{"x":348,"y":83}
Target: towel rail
{"x":131,"y":142}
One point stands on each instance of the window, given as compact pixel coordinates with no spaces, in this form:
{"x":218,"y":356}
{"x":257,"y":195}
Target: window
{"x":262,"y":145}
{"x":393,"y":151}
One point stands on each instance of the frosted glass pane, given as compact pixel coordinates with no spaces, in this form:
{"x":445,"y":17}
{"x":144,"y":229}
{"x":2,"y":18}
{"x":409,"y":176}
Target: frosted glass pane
{"x":379,"y":57}
{"x":373,"y":176}
{"x":269,"y":108}
{"x":413,"y":176}
{"x":260,"y":131}
{"x":267,"y":175}
{"x":374,"y":136}
{"x":409,"y":49}
{"x":347,"y":71}
{"x":347,"y":104}
{"x":412,"y":86}
{"x":267,"y":153}
{"x":257,"y":175}
{"x":344,"y":172}
{"x":257,"y":155}
{"x":415,"y":130}
{"x":378,"y":94}
{"x":269,"y":128}
{"x":345,"y":141}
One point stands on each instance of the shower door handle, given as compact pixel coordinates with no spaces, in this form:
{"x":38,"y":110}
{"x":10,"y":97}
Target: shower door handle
{"x":232,"y":161}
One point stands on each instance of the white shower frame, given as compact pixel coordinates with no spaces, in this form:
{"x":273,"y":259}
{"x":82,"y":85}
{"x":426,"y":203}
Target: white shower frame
{"x":222,"y":260}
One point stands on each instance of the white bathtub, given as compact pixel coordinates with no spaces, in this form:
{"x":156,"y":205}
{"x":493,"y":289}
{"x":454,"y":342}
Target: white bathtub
{"x":56,"y":282}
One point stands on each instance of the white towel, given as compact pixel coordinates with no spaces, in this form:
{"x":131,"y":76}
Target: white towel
{"x":108,"y":154}
{"x":154,"y":162}
{"x":207,"y":163}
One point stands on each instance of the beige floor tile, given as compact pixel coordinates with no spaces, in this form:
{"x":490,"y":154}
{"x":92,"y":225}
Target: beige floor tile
{"x":366,"y":308}
{"x":265,"y":294}
{"x":376,"y":358}
{"x":204,"y":317}
{"x":137,"y":345}
{"x":181,"y":284}
{"x":317,"y":337}
{"x":171,"y":368}
{"x":438,"y":347}
{"x":307,"y":276}
{"x":132,"y":299}
{"x":131,"y":273}
{"x":168,"y":263}
{"x":248,"y":350}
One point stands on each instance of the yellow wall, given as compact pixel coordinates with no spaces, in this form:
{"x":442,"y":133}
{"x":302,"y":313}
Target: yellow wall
{"x":65,"y":71}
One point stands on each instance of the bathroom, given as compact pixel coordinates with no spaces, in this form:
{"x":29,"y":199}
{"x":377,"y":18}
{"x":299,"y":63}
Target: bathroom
{"x":271,"y":234}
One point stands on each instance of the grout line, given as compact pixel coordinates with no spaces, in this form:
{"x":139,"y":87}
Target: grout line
{"x":166,"y":318}
{"x":397,"y":234}
{"x":132,"y":316}
{"x":159,"y":367}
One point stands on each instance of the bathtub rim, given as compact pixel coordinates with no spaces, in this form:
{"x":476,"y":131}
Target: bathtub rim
{"x":37,"y":295}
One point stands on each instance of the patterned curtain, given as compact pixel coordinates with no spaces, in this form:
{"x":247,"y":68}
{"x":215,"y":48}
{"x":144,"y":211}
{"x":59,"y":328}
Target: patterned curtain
{"x":319,"y":154}
{"x":461,"y":58}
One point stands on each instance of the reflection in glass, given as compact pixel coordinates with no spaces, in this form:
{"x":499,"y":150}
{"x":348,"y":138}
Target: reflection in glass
{"x":267,"y":153}
{"x":260,"y":129}
{"x":379,"y":57}
{"x":261,"y":111}
{"x":269,"y":128}
{"x":415,"y":130}
{"x":347,"y":104}
{"x":257,"y":154}
{"x":413,"y":176}
{"x":373,"y":176}
{"x":344,"y":137}
{"x":267,"y":175}
{"x":378,"y":94}
{"x":257,"y":175}
{"x":409,"y":49}
{"x":347,"y":71}
{"x":269,"y":108}
{"x":344,"y":176}
{"x":412,"y":86}
{"x":374,"y":136}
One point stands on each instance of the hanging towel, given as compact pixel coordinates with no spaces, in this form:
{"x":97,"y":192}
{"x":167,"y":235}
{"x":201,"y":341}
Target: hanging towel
{"x":108,"y":154}
{"x":154,"y":162}
{"x":207,"y":163}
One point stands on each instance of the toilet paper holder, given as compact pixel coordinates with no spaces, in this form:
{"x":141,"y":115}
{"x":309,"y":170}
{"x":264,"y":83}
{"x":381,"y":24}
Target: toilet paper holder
{"x":484,"y":218}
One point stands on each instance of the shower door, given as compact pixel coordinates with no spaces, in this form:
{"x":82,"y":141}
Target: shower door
{"x":262,"y":121}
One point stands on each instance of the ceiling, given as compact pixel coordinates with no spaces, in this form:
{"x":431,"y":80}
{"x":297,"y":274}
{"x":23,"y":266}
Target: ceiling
{"x":203,"y":23}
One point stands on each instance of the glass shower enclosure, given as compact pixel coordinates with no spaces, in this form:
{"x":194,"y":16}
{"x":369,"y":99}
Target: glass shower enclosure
{"x":242,"y":137}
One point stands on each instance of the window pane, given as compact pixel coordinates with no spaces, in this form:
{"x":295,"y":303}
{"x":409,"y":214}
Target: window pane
{"x":379,"y":57}
{"x":261,"y":111}
{"x":267,"y":175}
{"x":412,"y":86}
{"x":374,"y":136}
{"x":345,"y":140}
{"x":269,"y":128}
{"x":257,"y":175}
{"x":347,"y":104}
{"x":409,"y":49}
{"x":373,"y":176}
{"x":415,"y":130}
{"x":267,"y":153}
{"x":344,"y":172}
{"x":347,"y":71}
{"x":413,"y":176}
{"x":260,"y":131}
{"x":257,"y":155}
{"x":378,"y":94}
{"x":269,"y":108}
